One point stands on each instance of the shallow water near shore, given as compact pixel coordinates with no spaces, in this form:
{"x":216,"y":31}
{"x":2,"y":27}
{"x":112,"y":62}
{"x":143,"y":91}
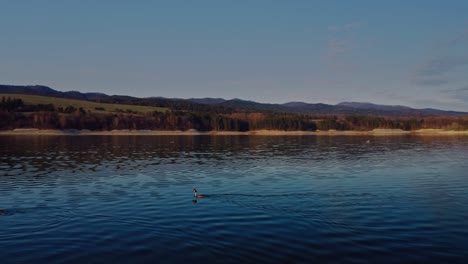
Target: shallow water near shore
{"x":271,"y":199}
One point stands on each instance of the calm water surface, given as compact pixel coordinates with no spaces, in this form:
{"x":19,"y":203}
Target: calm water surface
{"x":128,"y":199}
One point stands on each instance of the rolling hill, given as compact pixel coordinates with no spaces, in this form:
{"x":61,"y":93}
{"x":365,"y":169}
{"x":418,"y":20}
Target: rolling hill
{"x":219,"y":105}
{"x":86,"y":105}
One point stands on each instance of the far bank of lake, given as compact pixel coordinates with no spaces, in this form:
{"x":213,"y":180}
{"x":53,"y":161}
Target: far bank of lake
{"x":375,"y":132}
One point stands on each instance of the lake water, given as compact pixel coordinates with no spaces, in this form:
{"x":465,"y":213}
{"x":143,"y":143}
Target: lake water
{"x":271,"y":199}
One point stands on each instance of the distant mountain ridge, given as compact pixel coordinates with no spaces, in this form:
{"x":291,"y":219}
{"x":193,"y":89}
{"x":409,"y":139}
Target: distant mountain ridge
{"x":221,"y":105}
{"x":359,"y":105}
{"x":209,"y":101}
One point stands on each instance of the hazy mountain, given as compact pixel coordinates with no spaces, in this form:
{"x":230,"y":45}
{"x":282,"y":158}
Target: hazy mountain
{"x":296,"y":104}
{"x":319,"y":108}
{"x":29,"y":89}
{"x":209,"y":101}
{"x":358,"y":105}
{"x":175,"y":104}
{"x":399,"y":110}
{"x":251,"y":105}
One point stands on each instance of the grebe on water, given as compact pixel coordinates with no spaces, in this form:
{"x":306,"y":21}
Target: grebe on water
{"x":196,"y":195}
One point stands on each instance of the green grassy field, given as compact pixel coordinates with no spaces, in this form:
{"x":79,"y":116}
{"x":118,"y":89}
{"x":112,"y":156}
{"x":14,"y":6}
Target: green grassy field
{"x":86,"y":105}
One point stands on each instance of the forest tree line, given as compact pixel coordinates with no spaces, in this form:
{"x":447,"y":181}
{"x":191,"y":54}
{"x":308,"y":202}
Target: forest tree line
{"x":14,"y":113}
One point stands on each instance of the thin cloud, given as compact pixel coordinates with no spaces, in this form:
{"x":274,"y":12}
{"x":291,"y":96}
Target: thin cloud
{"x":449,"y":58}
{"x":337,"y":47}
{"x":340,"y":41}
{"x":463,"y":89}
{"x":430,"y":82}
{"x":460,"y":94}
{"x":352,"y":25}
{"x":441,"y":66}
{"x":460,"y":39}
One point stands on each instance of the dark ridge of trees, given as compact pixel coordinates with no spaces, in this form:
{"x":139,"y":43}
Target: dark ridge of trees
{"x":80,"y":119}
{"x":15,"y":114}
{"x":8,"y":104}
{"x":407,"y":124}
{"x":38,"y":108}
{"x":333,"y":123}
{"x":277,"y":121}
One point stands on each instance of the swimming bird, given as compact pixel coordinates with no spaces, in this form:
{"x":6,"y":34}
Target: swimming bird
{"x":196,"y":195}
{"x":2,"y":212}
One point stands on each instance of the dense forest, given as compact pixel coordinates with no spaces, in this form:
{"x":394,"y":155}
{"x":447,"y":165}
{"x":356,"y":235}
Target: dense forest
{"x":14,"y":113}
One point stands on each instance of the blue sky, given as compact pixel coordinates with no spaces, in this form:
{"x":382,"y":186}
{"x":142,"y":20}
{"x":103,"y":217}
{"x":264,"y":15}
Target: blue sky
{"x":412,"y":53}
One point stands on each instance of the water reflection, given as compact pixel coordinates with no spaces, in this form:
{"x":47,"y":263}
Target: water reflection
{"x":92,"y":153}
{"x":287,"y":199}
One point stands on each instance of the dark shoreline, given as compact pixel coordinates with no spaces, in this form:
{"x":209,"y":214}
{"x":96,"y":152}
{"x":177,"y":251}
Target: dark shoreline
{"x":375,"y":132}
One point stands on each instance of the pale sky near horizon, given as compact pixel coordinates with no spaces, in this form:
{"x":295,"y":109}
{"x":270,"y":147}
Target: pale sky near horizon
{"x":412,"y":53}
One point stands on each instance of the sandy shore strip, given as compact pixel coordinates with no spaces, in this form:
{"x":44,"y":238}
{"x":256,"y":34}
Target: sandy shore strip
{"x":375,"y":132}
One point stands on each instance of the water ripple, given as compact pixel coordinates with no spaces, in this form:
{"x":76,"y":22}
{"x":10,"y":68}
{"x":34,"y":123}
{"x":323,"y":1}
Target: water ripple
{"x":269,"y":199}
